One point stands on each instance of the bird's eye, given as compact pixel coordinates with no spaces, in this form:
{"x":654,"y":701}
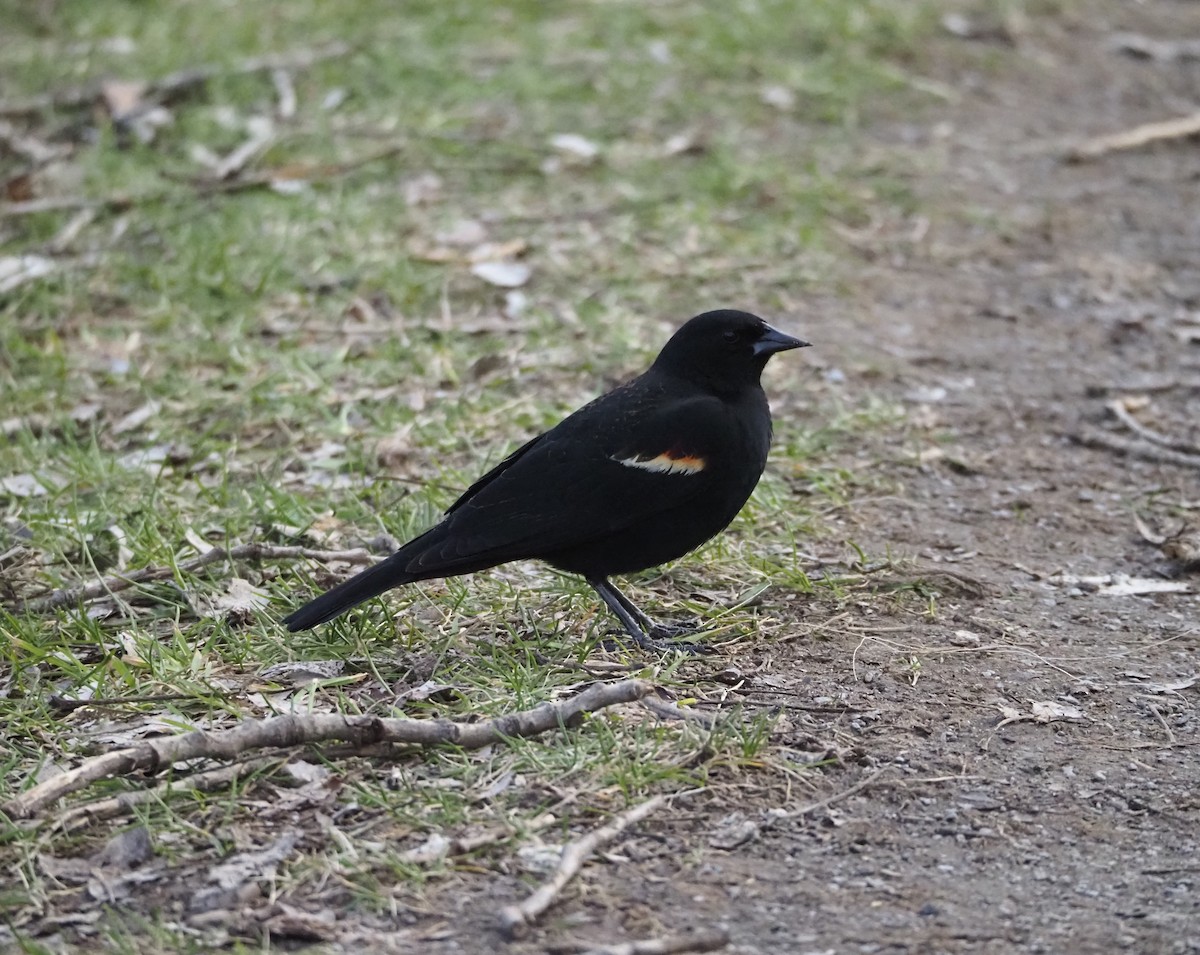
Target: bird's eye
{"x":732,"y":336}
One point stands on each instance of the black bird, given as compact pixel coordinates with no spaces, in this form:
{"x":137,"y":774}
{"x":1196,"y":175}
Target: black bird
{"x":635,"y":478}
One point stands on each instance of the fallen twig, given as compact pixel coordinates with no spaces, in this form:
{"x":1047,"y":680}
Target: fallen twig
{"x":201,"y":185}
{"x":1123,"y":414}
{"x":60,"y":704}
{"x":1135,"y":448}
{"x":705,"y":940}
{"x":516,"y":919}
{"x":672,"y":711}
{"x":1179,"y":128}
{"x":79,"y":817}
{"x":280,"y":732}
{"x":119,"y":582}
{"x":174,"y":84}
{"x":838,"y":797}
{"x":1164,"y":51}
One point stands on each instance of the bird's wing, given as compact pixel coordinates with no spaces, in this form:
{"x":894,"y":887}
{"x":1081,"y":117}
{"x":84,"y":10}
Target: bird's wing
{"x":493,"y":474}
{"x":591,"y":476}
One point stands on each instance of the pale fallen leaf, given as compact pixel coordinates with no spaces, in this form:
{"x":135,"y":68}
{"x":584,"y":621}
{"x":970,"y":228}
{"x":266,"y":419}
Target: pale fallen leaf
{"x":260,"y":133}
{"x":425,"y":691}
{"x":515,"y":303}
{"x":395,"y":449}
{"x":575,"y":146}
{"x":154,"y":457}
{"x":305,"y":772}
{"x":464,"y":232}
{"x":285,"y":90}
{"x":22,"y":485}
{"x":124,"y":551}
{"x":16,"y":270}
{"x":136,"y":418}
{"x":1122,"y":585}
{"x":290,"y":187}
{"x":432,"y":849}
{"x":660,"y":51}
{"x":498,"y":251}
{"x":1048,"y":711}
{"x":502,"y":274}
{"x":242,"y":867}
{"x":685,"y":143}
{"x":1185,"y":684}
{"x":497,"y":786}
{"x":126,"y":850}
{"x":778,"y":96}
{"x":193,"y":537}
{"x":301,"y":672}
{"x":121,"y":98}
{"x":334,"y":99}
{"x":422,"y":189}
{"x":539,"y":859}
{"x":732,"y":831}
{"x":238,"y":602}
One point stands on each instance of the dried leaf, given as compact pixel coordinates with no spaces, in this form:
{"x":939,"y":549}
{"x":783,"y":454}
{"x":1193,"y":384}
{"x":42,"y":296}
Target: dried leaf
{"x":243,"y":867}
{"x":302,"y":672}
{"x":22,"y":485}
{"x":778,"y":96}
{"x":121,"y":98}
{"x":575,"y":146}
{"x":1049,"y":711}
{"x":237,"y":604}
{"x":686,"y":143}
{"x":17,"y":270}
{"x":396,"y":449}
{"x":464,"y":232}
{"x":732,"y":831}
{"x":136,"y":418}
{"x":1122,"y":585}
{"x":308,"y":773}
{"x":498,"y":251}
{"x":434,"y":848}
{"x":502,"y":274}
{"x":422,"y":189}
{"x":126,"y":850}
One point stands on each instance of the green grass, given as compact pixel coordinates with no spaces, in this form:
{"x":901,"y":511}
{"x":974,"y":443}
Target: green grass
{"x":274,"y":340}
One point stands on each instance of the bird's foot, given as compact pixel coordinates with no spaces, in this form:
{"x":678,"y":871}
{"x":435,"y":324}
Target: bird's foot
{"x":674,"y":629}
{"x":660,"y":639}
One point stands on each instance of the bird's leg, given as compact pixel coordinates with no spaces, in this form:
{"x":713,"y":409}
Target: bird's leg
{"x":652,"y":628}
{"x":645,"y":632}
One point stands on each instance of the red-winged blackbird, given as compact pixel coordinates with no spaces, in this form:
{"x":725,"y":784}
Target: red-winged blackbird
{"x":633,"y":479}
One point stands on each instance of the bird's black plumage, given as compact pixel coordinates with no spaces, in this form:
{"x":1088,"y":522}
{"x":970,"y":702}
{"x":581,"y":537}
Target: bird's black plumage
{"x":637,"y":477}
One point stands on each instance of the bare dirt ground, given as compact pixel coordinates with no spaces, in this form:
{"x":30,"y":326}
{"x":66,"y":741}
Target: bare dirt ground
{"x":1015,"y":744}
{"x":1037,"y":292}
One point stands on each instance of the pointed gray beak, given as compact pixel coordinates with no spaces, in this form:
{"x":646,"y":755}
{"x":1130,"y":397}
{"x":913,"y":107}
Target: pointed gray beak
{"x":773,"y":340}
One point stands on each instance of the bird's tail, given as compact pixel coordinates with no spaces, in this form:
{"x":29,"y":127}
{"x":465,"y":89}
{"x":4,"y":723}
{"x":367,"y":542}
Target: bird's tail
{"x":363,"y":586}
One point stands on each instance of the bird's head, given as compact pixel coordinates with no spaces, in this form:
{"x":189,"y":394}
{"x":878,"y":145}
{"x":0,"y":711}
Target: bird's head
{"x":725,"y":350}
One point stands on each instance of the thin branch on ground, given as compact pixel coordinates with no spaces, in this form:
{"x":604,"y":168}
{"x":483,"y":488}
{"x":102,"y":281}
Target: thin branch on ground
{"x":1152,"y":48}
{"x":282,"y":732}
{"x":839,"y":796}
{"x":179,"y":82}
{"x":1134,"y":448}
{"x":704,"y":940}
{"x":79,"y":817}
{"x":517,"y":919}
{"x":1126,"y":418}
{"x":202,"y":186}
{"x":118,"y":582}
{"x":1182,"y":127}
{"x":671,"y":711}
{"x":60,"y":704}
